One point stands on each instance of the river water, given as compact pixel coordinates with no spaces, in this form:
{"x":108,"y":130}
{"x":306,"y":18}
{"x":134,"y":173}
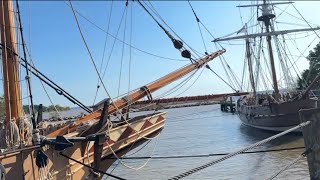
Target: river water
{"x":206,"y":130}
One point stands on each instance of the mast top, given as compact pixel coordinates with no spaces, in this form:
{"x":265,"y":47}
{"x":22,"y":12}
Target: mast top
{"x":268,"y":4}
{"x":266,"y":13}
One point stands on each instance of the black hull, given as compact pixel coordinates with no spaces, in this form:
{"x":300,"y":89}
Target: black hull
{"x":274,"y":117}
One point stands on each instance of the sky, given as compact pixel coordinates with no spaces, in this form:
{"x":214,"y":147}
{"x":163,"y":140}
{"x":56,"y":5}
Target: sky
{"x":58,"y":51}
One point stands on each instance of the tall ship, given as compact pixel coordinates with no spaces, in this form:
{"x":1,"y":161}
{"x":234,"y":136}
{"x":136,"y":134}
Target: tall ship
{"x":86,"y":147}
{"x":268,"y":62}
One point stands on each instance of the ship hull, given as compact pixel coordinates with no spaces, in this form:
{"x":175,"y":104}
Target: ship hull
{"x":274,"y":117}
{"x":21,"y":164}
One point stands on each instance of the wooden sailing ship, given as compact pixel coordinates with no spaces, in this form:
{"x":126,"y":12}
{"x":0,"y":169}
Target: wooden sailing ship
{"x":65,"y":152}
{"x":277,"y":111}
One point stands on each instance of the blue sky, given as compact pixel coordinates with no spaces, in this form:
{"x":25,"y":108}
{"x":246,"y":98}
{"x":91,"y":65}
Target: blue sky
{"x":58,"y":51}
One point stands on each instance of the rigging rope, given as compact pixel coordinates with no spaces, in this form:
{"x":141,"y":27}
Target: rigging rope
{"x":92,"y":60}
{"x":210,"y":155}
{"x":197,"y":54}
{"x":26,"y":67}
{"x":41,"y":82}
{"x":133,"y":47}
{"x":113,"y":45}
{"x":130,"y":52}
{"x":191,"y":84}
{"x":104,"y":50}
{"x":153,"y":9}
{"x":122,"y":53}
{"x":208,"y":67}
{"x":94,"y":169}
{"x":305,"y":20}
{"x":130,"y":167}
{"x":194,"y":170}
{"x":49,"y":82}
{"x":198,"y":21}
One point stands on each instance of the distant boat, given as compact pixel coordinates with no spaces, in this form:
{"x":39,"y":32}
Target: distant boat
{"x":85,"y":148}
{"x":277,"y":111}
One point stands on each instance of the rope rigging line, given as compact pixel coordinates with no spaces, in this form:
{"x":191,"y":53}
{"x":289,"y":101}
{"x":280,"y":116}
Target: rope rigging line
{"x":139,"y":135}
{"x":235,"y":78}
{"x":229,"y":70}
{"x":208,"y":67}
{"x":305,"y":20}
{"x":191,"y":84}
{"x":32,"y":112}
{"x":94,"y":169}
{"x":198,"y":21}
{"x":114,"y":37}
{"x":46,"y":80}
{"x":153,"y":9}
{"x":130,"y":51}
{"x":132,"y":145}
{"x":170,"y":91}
{"x":194,"y":170}
{"x":113,"y":45}
{"x":92,"y":60}
{"x":178,"y":86}
{"x":104,"y":50}
{"x":175,"y":41}
{"x":293,"y":64}
{"x":166,"y":93}
{"x":293,"y":15}
{"x":283,"y":63}
{"x":122,"y":52}
{"x":142,"y":147}
{"x":44,"y":88}
{"x":282,"y":11}
{"x":210,"y":155}
{"x":130,"y":167}
{"x":283,"y":47}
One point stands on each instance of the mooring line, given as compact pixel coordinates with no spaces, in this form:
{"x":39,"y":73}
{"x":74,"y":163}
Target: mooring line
{"x":209,"y":155}
{"x":194,"y":170}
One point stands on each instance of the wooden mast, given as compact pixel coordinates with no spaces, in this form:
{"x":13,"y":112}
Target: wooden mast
{"x":11,"y":81}
{"x":273,"y":69}
{"x":266,"y":17}
{"x":250,"y":67}
{"x":142,"y":92}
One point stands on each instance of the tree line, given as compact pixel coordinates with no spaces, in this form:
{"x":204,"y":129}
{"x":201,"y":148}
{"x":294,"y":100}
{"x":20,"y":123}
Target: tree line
{"x":26,"y":108}
{"x":308,"y":75}
{"x":46,"y":108}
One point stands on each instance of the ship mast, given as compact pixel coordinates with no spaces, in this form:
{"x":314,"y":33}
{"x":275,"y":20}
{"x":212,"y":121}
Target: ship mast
{"x":11,"y":81}
{"x":250,"y":67}
{"x":266,"y":17}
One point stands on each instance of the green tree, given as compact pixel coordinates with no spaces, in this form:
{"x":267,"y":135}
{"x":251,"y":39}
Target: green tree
{"x":2,"y":107}
{"x":308,"y":75}
{"x":59,"y":108}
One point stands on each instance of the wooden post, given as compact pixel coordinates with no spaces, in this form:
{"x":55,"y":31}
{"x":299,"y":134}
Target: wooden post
{"x":311,"y":135}
{"x":11,"y":81}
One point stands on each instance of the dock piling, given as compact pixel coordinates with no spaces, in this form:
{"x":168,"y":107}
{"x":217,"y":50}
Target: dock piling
{"x":311,"y":135}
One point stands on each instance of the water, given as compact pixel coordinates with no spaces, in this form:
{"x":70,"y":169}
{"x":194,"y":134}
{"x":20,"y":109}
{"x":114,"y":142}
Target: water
{"x":206,"y":130}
